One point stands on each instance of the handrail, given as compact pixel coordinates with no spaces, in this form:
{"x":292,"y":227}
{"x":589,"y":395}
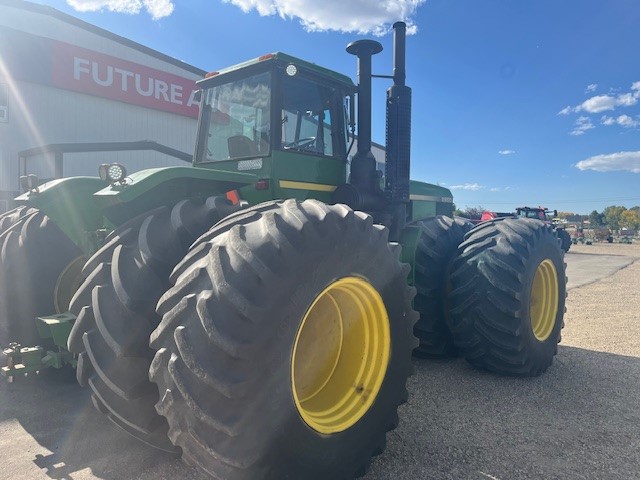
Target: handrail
{"x":59,"y":149}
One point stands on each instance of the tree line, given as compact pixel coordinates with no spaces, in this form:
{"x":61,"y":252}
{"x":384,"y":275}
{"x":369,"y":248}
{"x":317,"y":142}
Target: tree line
{"x":613,"y":217}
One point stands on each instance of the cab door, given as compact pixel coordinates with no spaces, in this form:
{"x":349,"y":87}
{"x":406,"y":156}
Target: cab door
{"x":309,"y":161}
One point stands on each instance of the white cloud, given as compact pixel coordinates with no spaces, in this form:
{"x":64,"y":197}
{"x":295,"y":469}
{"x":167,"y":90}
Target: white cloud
{"x":604,"y":103}
{"x":506,"y":152}
{"x":627,"y":121}
{"x":582,"y":125}
{"x":467,"y":186}
{"x":363,"y":16}
{"x":622,"y":120}
{"x":597,"y":104}
{"x":156,"y":8}
{"x":625,"y":161}
{"x":159,"y":8}
{"x":605,"y":120}
{"x":628,"y":99}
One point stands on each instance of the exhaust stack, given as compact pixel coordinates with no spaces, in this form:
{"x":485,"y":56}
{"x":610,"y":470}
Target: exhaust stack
{"x":398,"y":148}
{"x":363,"y":166}
{"x":363,"y":192}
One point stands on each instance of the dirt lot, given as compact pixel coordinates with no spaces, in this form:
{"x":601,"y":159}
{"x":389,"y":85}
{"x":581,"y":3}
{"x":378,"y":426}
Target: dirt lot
{"x":581,"y":420}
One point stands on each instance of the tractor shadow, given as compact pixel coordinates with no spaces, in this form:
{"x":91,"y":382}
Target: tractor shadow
{"x":60,"y":435}
{"x":581,"y":419}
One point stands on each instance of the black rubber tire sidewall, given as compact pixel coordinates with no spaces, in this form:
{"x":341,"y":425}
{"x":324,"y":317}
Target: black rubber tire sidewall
{"x":348,"y":444}
{"x":492,"y":277}
{"x":278,"y":444}
{"x":34,"y":254}
{"x":540,"y":351}
{"x":565,"y":240}
{"x":436,"y":248}
{"x":115,"y":307}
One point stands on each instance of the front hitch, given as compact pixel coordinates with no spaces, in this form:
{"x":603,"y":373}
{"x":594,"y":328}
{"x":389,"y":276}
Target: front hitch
{"x":21,"y":361}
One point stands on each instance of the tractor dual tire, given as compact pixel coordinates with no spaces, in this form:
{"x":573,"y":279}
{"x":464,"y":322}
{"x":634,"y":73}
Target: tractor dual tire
{"x":115,"y":309}
{"x":10,"y":218}
{"x":240,"y":324}
{"x":36,"y":258}
{"x":565,"y":239}
{"x":437,"y":246}
{"x":508,"y":296}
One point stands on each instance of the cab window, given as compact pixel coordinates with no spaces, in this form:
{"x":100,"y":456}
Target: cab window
{"x":308,"y":118}
{"x":237,"y":114}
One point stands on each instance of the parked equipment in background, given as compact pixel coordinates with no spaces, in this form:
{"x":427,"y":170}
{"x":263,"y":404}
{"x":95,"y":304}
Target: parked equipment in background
{"x":549,"y":217}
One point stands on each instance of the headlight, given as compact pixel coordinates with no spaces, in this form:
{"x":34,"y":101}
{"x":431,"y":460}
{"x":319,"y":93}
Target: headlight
{"x":112,"y":173}
{"x":29,"y":182}
{"x":291,"y":70}
{"x":102,"y":171}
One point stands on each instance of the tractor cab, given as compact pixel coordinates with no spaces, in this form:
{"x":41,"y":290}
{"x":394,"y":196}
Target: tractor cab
{"x":280,"y":118}
{"x":539,"y":213}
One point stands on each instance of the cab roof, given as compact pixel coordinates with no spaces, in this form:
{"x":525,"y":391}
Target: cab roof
{"x":285,"y":59}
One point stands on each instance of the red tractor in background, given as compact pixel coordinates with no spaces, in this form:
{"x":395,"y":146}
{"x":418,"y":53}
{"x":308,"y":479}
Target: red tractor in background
{"x":540,"y":213}
{"x":549,"y":217}
{"x":487,"y":215}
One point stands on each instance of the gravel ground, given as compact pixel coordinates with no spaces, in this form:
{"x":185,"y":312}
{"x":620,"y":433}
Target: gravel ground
{"x":580,"y":420}
{"x":605,"y":316}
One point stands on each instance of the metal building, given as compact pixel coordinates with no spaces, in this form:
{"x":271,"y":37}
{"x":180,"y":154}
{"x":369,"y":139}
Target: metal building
{"x":65,"y":81}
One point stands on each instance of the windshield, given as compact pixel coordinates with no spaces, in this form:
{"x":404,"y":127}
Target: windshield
{"x":236,"y":115}
{"x":539,"y":214}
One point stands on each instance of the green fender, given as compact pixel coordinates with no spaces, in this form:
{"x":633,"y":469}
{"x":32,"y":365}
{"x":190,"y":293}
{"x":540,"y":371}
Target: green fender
{"x":428,"y":200}
{"x":155,"y":187}
{"x":69,"y":203}
{"x":81,"y":206}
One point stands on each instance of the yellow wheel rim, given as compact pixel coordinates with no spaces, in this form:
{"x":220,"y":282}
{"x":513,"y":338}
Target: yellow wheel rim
{"x":543,"y":306}
{"x":340,"y":355}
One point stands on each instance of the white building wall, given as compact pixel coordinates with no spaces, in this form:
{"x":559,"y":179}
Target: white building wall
{"x":377,"y":150}
{"x":53,"y":115}
{"x":42,"y":114}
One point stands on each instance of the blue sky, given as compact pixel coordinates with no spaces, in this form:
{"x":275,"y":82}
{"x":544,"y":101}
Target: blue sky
{"x":515,"y":102}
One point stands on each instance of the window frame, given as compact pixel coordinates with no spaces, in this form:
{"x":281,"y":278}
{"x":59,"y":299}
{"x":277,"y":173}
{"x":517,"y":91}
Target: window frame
{"x":277,"y":72}
{"x":336,"y":111}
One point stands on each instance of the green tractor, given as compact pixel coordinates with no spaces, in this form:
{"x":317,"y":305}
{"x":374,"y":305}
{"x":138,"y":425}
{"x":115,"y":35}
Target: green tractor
{"x":257,"y":312}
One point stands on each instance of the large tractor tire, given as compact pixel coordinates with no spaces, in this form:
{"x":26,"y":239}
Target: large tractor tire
{"x":10,"y":218}
{"x":565,"y":239}
{"x":508,"y":296}
{"x":437,"y":246}
{"x":116,"y":304}
{"x":39,"y":272}
{"x":285,"y":344}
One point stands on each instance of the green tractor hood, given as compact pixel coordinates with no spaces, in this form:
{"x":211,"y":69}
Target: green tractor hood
{"x":147,"y":189}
